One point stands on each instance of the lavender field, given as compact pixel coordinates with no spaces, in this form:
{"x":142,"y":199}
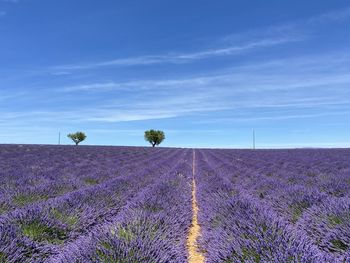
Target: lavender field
{"x":134,"y":204}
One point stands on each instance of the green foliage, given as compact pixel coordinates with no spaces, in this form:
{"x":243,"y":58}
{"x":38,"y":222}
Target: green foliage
{"x":108,"y":253}
{"x":91,"y":181}
{"x":216,"y":221}
{"x":103,"y":255}
{"x":335,"y":220}
{"x":340,"y":245}
{"x":247,"y":255}
{"x":126,"y":234}
{"x":154,"y":208}
{"x":25,"y":199}
{"x":3,"y":257}
{"x":77,"y":137}
{"x":297,"y":210}
{"x":154,"y":137}
{"x":3,"y":210}
{"x":251,"y":254}
{"x":68,"y":219}
{"x":40,"y":232}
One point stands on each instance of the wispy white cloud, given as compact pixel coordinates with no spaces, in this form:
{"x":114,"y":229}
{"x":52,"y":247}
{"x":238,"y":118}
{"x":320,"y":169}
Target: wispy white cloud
{"x":61,"y":73}
{"x":152,"y":109}
{"x":305,"y":73}
{"x":183,"y":57}
{"x":335,"y":15}
{"x":234,"y":82}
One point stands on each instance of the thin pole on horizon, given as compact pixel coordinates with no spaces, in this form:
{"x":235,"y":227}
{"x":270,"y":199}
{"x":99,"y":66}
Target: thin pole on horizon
{"x":253,"y":139}
{"x":59,"y":138}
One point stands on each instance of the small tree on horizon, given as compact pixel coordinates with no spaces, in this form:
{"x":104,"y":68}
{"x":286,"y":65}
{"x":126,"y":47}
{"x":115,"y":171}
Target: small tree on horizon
{"x":77,"y":137}
{"x":154,"y":137}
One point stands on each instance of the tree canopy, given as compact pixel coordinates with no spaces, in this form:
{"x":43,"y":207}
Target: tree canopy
{"x":154,"y":137}
{"x":77,"y":137}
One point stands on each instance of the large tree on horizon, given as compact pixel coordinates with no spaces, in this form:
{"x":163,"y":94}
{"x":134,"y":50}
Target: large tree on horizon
{"x":154,"y":137}
{"x":77,"y":137}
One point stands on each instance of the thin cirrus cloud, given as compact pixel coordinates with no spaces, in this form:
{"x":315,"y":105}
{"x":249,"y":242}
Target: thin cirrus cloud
{"x":275,"y":75}
{"x":336,"y":15}
{"x":139,"y":113}
{"x":231,"y":82}
{"x":184,"y":57}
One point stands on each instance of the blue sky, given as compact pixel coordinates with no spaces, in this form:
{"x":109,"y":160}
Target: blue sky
{"x":205,"y":72}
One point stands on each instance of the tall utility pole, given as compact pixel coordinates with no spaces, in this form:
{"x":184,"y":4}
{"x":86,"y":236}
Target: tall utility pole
{"x":253,"y":139}
{"x":59,"y":138}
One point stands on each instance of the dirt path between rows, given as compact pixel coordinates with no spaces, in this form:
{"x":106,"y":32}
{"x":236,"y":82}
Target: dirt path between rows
{"x":194,"y":255}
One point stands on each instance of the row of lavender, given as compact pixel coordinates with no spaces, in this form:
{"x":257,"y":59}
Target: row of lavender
{"x":274,"y":206}
{"x":31,"y":174}
{"x":140,"y":202}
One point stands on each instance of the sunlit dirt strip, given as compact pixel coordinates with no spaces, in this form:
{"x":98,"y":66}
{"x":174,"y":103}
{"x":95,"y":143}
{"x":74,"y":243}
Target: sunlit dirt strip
{"x":194,"y":255}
